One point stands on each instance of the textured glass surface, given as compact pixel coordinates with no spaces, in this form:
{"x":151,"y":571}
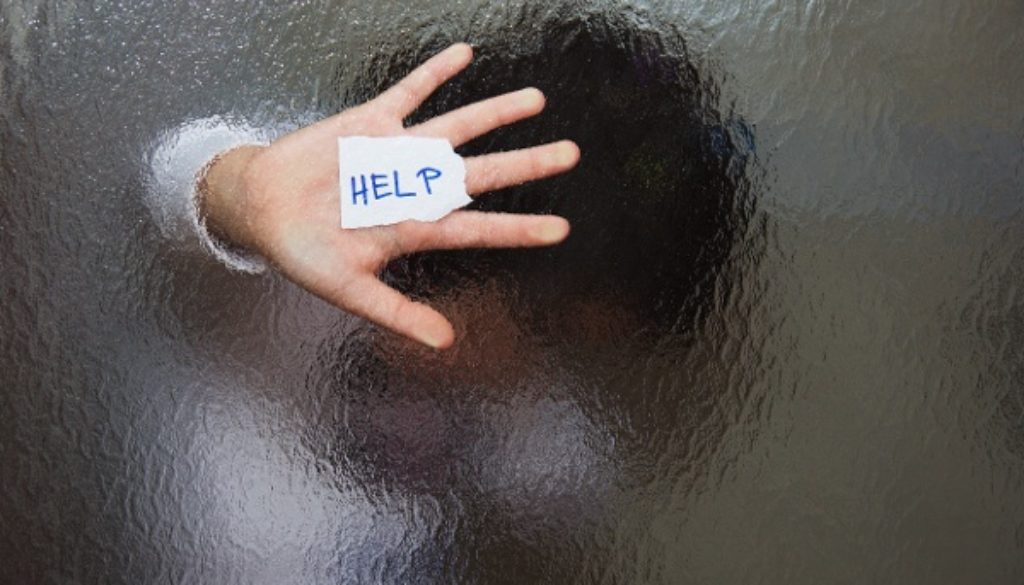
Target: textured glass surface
{"x":784,"y":343}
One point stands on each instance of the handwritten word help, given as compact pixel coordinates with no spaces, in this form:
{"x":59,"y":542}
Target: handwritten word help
{"x":388,"y":180}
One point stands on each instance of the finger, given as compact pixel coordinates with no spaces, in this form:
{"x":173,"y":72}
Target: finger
{"x":373,"y":300}
{"x":504,"y":169}
{"x":407,"y":95}
{"x":468,"y":122}
{"x":477,"y":229}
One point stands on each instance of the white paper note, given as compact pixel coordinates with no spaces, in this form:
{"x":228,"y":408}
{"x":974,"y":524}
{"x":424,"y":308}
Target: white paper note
{"x":392,"y":179}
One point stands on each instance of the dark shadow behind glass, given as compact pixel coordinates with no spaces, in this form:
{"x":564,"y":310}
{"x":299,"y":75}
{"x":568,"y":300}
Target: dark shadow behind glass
{"x":658,"y":200}
{"x":607,"y":321}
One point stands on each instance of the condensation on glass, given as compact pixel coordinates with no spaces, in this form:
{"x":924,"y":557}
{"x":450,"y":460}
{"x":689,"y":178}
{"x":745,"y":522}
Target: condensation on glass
{"x":783,"y":343}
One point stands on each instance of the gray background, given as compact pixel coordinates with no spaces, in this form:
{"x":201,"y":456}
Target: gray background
{"x":161,"y":419}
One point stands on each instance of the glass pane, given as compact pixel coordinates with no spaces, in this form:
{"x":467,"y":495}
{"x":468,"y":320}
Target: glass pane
{"x":782,"y":343}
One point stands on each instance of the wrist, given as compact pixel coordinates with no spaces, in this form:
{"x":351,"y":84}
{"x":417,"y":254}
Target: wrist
{"x":223,"y":197}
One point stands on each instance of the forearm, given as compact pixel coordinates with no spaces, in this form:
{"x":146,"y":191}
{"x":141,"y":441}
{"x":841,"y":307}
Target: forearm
{"x":178,"y":163}
{"x":223,"y":197}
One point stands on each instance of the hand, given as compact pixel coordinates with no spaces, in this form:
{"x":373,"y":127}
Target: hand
{"x":282,"y":200}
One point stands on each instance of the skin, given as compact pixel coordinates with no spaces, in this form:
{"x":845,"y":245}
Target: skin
{"x":281,"y":200}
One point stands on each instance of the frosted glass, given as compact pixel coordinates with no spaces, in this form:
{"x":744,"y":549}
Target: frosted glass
{"x":783,"y":343}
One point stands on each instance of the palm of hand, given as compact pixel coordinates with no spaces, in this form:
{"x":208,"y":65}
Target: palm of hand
{"x":292,"y":207}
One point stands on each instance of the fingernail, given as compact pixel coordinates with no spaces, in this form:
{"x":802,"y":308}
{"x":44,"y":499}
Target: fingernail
{"x":436,"y":338}
{"x":462,"y":47}
{"x":566,"y":154}
{"x":551,"y":231}
{"x":532,"y":96}
{"x":430,"y":339}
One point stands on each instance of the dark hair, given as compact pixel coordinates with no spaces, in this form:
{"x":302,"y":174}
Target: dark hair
{"x":659,"y":197}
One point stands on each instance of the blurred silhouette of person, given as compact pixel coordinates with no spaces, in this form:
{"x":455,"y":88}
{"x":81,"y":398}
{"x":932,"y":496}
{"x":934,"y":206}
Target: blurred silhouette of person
{"x":579,"y":376}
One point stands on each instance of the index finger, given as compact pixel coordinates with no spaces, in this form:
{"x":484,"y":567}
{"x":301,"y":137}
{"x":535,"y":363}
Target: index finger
{"x":407,"y":95}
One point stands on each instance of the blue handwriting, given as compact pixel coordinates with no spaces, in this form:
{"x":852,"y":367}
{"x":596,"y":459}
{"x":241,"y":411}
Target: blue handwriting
{"x":381,"y":187}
